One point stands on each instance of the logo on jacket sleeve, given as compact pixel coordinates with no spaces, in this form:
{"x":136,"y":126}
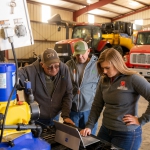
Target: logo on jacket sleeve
{"x":122,"y":86}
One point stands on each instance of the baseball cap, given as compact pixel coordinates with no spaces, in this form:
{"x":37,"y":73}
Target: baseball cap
{"x":80,"y":47}
{"x":50,"y":56}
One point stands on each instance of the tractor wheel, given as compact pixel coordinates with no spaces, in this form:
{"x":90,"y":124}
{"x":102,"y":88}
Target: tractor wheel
{"x":123,"y":27}
{"x":129,"y":29}
{"x":105,"y":47}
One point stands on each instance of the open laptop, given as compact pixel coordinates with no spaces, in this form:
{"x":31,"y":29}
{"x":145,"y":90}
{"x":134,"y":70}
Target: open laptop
{"x":70,"y":136}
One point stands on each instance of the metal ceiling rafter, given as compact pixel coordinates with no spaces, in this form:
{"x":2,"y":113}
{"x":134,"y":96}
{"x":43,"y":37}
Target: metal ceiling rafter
{"x":90,"y":7}
{"x":140,"y":2}
{"x":122,"y":6}
{"x":39,"y":3}
{"x":73,"y":2}
{"x":100,"y":16}
{"x":131,"y":13}
{"x":109,"y":11}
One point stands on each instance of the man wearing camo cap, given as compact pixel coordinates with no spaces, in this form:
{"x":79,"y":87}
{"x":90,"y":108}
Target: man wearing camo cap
{"x":51,"y":85}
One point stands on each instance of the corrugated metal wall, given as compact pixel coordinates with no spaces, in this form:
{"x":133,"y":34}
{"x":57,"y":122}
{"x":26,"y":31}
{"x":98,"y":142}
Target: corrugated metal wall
{"x":45,"y":35}
{"x":101,"y":20}
{"x":41,"y":33}
{"x":141,"y":15}
{"x":84,"y":18}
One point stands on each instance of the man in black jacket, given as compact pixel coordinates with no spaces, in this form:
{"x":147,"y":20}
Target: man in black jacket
{"x":51,"y":85}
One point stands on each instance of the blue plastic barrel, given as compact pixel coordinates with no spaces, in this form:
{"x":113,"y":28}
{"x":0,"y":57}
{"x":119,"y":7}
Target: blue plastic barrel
{"x":7,"y":81}
{"x":26,"y":142}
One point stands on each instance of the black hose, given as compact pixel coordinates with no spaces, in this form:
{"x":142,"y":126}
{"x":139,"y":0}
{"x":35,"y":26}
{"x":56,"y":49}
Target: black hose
{"x":14,"y":88}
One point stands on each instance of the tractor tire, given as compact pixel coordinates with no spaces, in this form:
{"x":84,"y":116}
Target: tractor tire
{"x":103,"y":28}
{"x":123,"y":27}
{"x":129,"y":29}
{"x":98,"y":53}
{"x":119,"y":49}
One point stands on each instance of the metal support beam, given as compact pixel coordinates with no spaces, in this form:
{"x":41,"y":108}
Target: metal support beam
{"x":131,"y":13}
{"x":39,"y":3}
{"x":98,"y":4}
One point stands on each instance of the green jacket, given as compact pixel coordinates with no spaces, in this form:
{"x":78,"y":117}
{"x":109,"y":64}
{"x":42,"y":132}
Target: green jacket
{"x":83,"y":94}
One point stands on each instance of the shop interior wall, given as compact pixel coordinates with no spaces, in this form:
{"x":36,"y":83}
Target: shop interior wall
{"x":45,"y":35}
{"x":138,"y":16}
{"x":84,"y":18}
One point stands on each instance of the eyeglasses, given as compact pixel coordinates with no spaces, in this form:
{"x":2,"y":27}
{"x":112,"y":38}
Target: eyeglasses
{"x":52,"y":67}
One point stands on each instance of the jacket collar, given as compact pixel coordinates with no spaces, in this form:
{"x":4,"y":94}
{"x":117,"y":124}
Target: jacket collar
{"x":92,"y":58}
{"x":40,"y":69}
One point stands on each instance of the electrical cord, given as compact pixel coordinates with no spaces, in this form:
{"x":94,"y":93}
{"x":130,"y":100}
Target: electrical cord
{"x":16,"y":77}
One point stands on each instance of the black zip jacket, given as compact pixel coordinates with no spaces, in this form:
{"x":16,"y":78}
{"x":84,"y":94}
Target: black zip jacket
{"x":61,"y":99}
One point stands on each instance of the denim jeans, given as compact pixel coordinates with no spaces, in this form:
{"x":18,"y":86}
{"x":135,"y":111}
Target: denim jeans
{"x":80,"y":119}
{"x":47,"y":122}
{"x":127,"y":140}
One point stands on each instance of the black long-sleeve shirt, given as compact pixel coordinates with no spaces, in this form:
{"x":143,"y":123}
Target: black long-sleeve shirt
{"x":118,"y":99}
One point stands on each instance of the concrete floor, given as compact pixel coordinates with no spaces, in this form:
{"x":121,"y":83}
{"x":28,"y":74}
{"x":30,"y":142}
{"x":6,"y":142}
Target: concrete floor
{"x":146,"y":128}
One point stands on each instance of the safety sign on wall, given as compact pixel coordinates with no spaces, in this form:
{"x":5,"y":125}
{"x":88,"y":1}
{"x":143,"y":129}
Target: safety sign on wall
{"x":14,"y":24}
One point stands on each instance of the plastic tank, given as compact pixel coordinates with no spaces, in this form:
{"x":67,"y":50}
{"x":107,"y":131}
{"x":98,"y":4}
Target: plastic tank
{"x":7,"y":81}
{"x":26,"y":142}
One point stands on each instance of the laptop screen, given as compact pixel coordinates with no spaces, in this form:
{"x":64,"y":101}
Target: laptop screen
{"x":66,"y":128}
{"x":70,"y":136}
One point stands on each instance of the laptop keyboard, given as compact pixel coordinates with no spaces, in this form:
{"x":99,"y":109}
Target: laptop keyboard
{"x":49,"y":134}
{"x":60,"y":147}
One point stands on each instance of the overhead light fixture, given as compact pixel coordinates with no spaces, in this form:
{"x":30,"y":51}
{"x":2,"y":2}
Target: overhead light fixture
{"x":55,"y":2}
{"x":89,"y":1}
{"x":133,"y":3}
{"x":90,"y":18}
{"x":139,"y":22}
{"x":95,"y":11}
{"x":46,"y":11}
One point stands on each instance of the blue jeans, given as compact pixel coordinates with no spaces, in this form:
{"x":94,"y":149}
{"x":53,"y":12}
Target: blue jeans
{"x":80,"y":119}
{"x":127,"y":140}
{"x":47,"y":122}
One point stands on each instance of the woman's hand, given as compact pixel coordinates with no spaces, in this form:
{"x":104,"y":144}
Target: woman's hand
{"x":129,"y":119}
{"x":85,"y":132}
